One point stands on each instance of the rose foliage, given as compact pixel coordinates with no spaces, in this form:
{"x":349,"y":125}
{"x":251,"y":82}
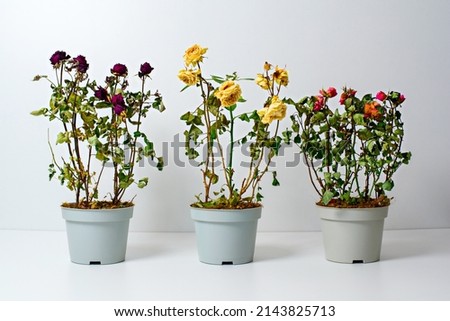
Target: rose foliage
{"x":351,"y":152}
{"x":212,"y":129}
{"x":100,"y":128}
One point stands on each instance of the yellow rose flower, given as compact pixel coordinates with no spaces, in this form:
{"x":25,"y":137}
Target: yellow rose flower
{"x":262,"y":112}
{"x":275,"y":111}
{"x":194,"y":54}
{"x":281,"y":76}
{"x":262,"y":81}
{"x":189,"y":77}
{"x":267,"y":66}
{"x":228,"y":93}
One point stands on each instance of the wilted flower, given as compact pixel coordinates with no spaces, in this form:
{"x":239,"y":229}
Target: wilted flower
{"x":81,"y":64}
{"x":281,"y":76}
{"x":119,"y":70}
{"x":329,"y":93}
{"x":101,"y":93}
{"x":58,"y":57}
{"x":145,"y":70}
{"x":347,"y":93}
{"x":228,"y":93}
{"x":189,"y":77}
{"x":275,"y":111}
{"x":371,"y":110}
{"x":319,"y":103}
{"x":118,"y":104}
{"x":262,"y":81}
{"x":397,"y":98}
{"x":194,"y":55}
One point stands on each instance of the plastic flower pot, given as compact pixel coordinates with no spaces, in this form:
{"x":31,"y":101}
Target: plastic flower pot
{"x":226,"y":236}
{"x":97,"y":236}
{"x":352,"y":235}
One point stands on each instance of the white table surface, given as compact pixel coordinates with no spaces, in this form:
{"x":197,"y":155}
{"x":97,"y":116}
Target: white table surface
{"x":415,"y":265}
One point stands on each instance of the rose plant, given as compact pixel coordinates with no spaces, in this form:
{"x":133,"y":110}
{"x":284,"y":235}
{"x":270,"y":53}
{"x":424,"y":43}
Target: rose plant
{"x":99,"y":123}
{"x":212,"y":126}
{"x":351,"y":152}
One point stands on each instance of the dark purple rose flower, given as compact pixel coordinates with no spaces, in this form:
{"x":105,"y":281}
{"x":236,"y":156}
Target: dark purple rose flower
{"x":81,"y":64}
{"x":118,"y":109}
{"x":119,"y":70}
{"x":117,"y":100}
{"x":145,"y":70}
{"x":118,"y":104}
{"x":58,"y":57}
{"x":101,"y":94}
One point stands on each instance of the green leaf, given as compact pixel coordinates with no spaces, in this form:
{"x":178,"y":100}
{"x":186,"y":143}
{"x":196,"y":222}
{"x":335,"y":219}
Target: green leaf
{"x":244,"y":117}
{"x":388,"y":185}
{"x":160,"y":164}
{"x":217,"y":79}
{"x":371,"y":145}
{"x":51,"y":171}
{"x":259,"y":197}
{"x":327,"y":197}
{"x":39,"y":112}
{"x":62,"y":138}
{"x":275,"y":181}
{"x":102,"y":104}
{"x":359,"y":119}
{"x":101,"y":157}
{"x":212,"y":176}
{"x":192,"y":153}
{"x":194,"y":131}
{"x":184,"y":88}
{"x":142,"y":182}
{"x":317,"y":117}
{"x":159,"y":105}
{"x":288,"y":101}
{"x":231,"y":108}
{"x":93,"y":141}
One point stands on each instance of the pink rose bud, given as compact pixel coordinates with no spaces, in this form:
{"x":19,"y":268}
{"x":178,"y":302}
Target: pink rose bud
{"x":331,"y":92}
{"x":381,"y":96}
{"x":319,"y":104}
{"x":401,"y":98}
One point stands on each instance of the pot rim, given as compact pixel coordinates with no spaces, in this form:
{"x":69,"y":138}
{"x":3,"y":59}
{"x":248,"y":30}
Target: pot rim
{"x":97,"y":215}
{"x":226,"y":215}
{"x":352,"y":214}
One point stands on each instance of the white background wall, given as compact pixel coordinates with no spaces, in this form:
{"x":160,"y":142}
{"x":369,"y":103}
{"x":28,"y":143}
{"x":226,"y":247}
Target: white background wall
{"x":402,"y":45}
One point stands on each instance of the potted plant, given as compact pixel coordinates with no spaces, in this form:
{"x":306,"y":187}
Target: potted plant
{"x":227,"y":211}
{"x":100,"y":130}
{"x":351,"y":153}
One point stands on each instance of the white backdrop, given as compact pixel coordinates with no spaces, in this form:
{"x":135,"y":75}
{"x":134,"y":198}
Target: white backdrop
{"x":402,"y":45}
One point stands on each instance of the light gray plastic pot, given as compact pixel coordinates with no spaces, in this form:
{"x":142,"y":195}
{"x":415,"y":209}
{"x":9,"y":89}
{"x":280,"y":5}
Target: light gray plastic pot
{"x":97,"y":236}
{"x":226,"y":236}
{"x":352,"y":235}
